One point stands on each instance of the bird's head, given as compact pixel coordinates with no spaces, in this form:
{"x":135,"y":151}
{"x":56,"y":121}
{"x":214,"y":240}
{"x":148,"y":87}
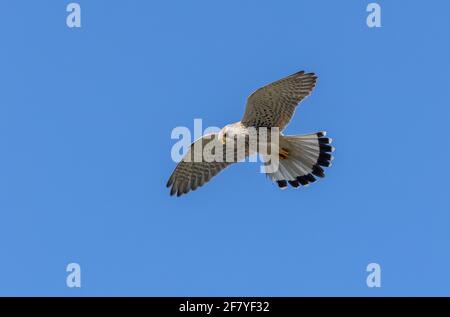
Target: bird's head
{"x":232,"y":132}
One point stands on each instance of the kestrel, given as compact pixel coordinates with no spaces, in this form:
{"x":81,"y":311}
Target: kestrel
{"x":301,"y":157}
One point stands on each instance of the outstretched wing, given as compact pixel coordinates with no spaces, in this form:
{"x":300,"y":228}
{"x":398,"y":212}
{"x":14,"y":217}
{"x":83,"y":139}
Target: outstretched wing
{"x":196,"y":168}
{"x":274,"y":105}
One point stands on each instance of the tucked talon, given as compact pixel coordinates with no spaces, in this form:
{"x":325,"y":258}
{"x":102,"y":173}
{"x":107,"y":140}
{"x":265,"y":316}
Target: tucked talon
{"x":284,"y":154}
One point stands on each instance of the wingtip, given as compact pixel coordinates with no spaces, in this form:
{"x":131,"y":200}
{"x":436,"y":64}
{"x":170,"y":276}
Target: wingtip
{"x":304,"y":73}
{"x":169,"y":181}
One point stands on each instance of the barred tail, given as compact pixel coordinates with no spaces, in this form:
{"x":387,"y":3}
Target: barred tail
{"x":302,"y":157}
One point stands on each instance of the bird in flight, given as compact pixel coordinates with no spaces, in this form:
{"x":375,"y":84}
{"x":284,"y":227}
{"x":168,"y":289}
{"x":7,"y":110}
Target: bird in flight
{"x":301,"y":157}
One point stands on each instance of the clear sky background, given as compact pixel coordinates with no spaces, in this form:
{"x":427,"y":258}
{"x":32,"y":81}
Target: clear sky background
{"x":85,"y":122}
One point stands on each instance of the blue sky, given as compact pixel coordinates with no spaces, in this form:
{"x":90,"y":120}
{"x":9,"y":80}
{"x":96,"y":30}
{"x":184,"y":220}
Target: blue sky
{"x":85,"y":122}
